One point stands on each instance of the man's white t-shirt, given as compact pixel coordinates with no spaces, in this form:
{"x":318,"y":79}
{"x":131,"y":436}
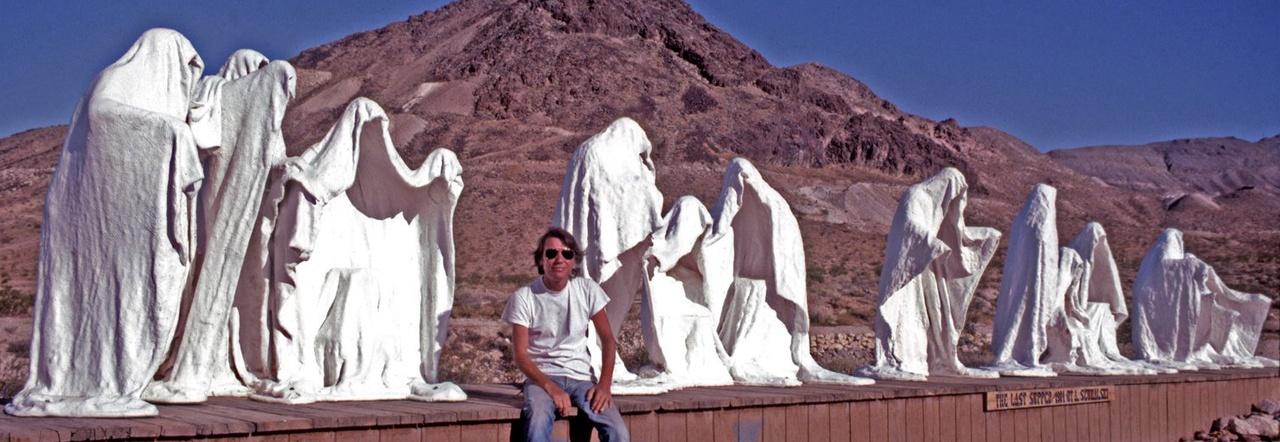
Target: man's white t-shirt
{"x":558,"y":324}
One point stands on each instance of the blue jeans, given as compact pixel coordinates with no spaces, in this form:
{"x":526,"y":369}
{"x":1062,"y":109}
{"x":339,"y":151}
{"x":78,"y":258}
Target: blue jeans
{"x":539,"y":412}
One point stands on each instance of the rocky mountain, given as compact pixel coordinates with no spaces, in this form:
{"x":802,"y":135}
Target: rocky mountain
{"x":513,"y":86}
{"x":1212,"y":166}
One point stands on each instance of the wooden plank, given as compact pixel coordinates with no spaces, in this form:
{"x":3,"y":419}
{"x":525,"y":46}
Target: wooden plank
{"x":947,"y":418}
{"x":977,"y":423}
{"x":475,"y":433}
{"x":400,"y":434}
{"x":1008,"y":428}
{"x":929,"y":422}
{"x":819,"y":422}
{"x":992,"y":425}
{"x":312,"y":436}
{"x":878,"y":429}
{"x":775,"y":424}
{"x":1020,"y":418}
{"x":899,"y":418}
{"x":441,"y":433}
{"x":208,"y":424}
{"x":265,"y":419}
{"x":700,"y":426}
{"x":797,"y":417}
{"x":750,"y":424}
{"x":861,"y":421}
{"x":1033,"y":424}
{"x":643,"y":426}
{"x":672,"y":426}
{"x":841,"y":421}
{"x":726,"y":426}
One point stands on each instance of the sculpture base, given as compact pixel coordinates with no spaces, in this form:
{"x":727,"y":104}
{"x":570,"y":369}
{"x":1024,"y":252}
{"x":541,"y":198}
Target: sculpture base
{"x":1161,"y":407}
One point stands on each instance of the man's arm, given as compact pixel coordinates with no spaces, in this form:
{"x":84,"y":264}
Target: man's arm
{"x":520,"y":335}
{"x":601,"y":394}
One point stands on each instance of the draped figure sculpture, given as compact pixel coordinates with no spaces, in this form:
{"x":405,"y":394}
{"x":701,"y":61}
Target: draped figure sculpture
{"x":1030,"y":296}
{"x":933,"y":263}
{"x":251,"y":145}
{"x":118,"y":237}
{"x":1186,"y":318}
{"x":680,"y":329}
{"x":609,"y":202}
{"x":765,"y":329}
{"x":1094,"y":308}
{"x":242,"y":62}
{"x":362,"y":262}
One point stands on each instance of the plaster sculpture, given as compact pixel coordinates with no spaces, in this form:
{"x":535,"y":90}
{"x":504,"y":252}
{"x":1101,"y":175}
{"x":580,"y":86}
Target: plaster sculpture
{"x":118,"y":235}
{"x":1185,"y":317}
{"x":362,"y":259}
{"x":610,"y":204}
{"x":251,"y":145}
{"x":768,"y":285}
{"x":1029,"y":289}
{"x":242,"y":62}
{"x":933,"y":263}
{"x":680,"y":330}
{"x":1094,"y":308}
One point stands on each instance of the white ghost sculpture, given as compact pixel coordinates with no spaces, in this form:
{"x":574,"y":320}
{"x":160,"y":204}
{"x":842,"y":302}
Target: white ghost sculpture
{"x":242,"y":62}
{"x":362,"y":259}
{"x":251,"y":146}
{"x":610,"y":203}
{"x":933,"y":263}
{"x":1029,"y":290}
{"x":118,"y":237}
{"x":765,"y":329}
{"x":1094,"y":307}
{"x":680,"y":330}
{"x":1185,"y":317}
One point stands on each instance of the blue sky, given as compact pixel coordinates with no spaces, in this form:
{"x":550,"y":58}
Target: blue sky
{"x":1056,"y":74}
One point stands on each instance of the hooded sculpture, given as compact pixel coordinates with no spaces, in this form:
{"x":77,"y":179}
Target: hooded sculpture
{"x":1029,"y":289}
{"x":610,"y":204}
{"x":362,"y":259}
{"x":768,"y":288}
{"x":1186,"y":318}
{"x":680,"y":329}
{"x":1094,"y":306}
{"x":933,"y":262}
{"x":118,"y":237}
{"x":251,"y":146}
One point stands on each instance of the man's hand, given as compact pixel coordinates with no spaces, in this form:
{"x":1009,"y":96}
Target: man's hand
{"x":600,"y":397}
{"x":560,"y":398}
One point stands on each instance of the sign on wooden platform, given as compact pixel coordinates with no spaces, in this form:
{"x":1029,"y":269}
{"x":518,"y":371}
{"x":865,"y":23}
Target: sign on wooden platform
{"x":1047,"y":397}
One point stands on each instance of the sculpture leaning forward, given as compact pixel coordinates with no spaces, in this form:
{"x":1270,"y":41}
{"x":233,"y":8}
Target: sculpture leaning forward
{"x":118,"y":237}
{"x":236,"y":172}
{"x":765,"y":328}
{"x":362,"y":269}
{"x":1186,"y":318}
{"x":933,"y":263}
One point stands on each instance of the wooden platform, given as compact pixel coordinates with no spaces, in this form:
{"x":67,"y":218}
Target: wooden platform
{"x":1162,"y":408}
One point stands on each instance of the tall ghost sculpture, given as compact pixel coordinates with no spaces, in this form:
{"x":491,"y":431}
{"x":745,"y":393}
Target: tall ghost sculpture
{"x":251,"y":145}
{"x":680,"y":328}
{"x":118,"y":237}
{"x":765,"y":329}
{"x":363,"y":271}
{"x":610,"y":203}
{"x":1094,"y":308}
{"x":933,"y":263}
{"x":1029,"y":289}
{"x":1185,"y":317}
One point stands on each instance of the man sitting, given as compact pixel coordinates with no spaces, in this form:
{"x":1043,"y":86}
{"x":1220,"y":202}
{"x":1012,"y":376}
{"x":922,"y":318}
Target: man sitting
{"x":549,"y":323}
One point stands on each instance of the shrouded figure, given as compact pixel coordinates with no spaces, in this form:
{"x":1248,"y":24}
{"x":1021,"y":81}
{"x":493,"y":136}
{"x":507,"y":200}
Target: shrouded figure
{"x":933,"y":263}
{"x":118,"y":237}
{"x":1029,"y":290}
{"x":1186,"y":318}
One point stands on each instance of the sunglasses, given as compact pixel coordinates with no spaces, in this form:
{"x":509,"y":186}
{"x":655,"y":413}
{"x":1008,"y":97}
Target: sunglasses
{"x":552,"y":253}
